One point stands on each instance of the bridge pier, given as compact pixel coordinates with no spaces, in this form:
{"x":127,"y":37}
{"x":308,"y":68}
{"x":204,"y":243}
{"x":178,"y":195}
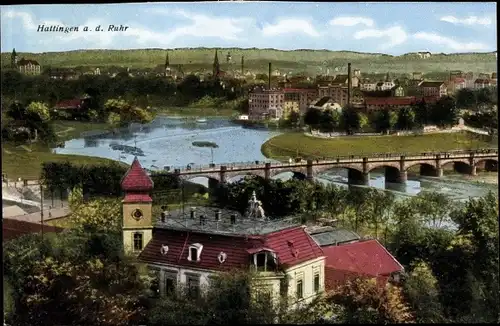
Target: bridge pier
{"x":403,"y":177}
{"x":310,"y":173}
{"x":473,"y":170}
{"x":393,"y":175}
{"x":267,"y":171}
{"x":439,"y":172}
{"x":358,"y":178}
{"x":222,"y":174}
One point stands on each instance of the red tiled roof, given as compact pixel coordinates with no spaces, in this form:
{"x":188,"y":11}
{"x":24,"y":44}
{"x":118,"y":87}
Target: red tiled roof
{"x":237,"y":248}
{"x":137,"y":198}
{"x":69,"y":104}
{"x":136,"y":179}
{"x":390,"y":100}
{"x":334,"y":278}
{"x":12,"y":228}
{"x":364,"y":258}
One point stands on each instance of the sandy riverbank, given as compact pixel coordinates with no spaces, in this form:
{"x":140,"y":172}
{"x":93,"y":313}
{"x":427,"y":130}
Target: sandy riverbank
{"x":489,"y":177}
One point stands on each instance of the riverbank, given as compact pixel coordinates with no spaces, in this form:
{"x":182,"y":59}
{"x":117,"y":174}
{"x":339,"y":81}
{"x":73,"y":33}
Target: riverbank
{"x":287,"y":145}
{"x":481,"y":177}
{"x":196,"y":112}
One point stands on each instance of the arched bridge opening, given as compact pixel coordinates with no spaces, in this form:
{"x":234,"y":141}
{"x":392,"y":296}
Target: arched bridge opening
{"x":243,"y":177}
{"x":356,"y":177}
{"x":210,"y":183}
{"x":487,"y":165}
{"x":391,"y":174}
{"x":423,"y":169}
{"x":461,"y":167}
{"x":289,"y":175}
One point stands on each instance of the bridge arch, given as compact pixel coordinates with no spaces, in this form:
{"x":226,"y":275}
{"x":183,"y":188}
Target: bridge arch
{"x":213,"y":181}
{"x":298,"y":169}
{"x":257,"y":173}
{"x":458,"y":165}
{"x":232,"y":178}
{"x":487,"y":164}
{"x":425,"y":168}
{"x":296,"y":174}
{"x":392,"y":173}
{"x":323,"y":168}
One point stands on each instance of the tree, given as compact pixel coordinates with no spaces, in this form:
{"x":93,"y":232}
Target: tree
{"x":444,"y":112}
{"x":422,"y":113}
{"x":350,"y":120}
{"x":294,"y":119}
{"x":329,"y":120}
{"x":432,"y":207}
{"x":98,"y":215}
{"x":363,"y":121}
{"x":406,"y":119}
{"x":364,"y":301}
{"x":465,"y":98}
{"x":313,"y":117}
{"x":39,"y":109}
{"x":114,"y":120}
{"x":422,"y":291}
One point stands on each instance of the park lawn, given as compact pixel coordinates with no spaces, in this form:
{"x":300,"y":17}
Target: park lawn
{"x":196,"y":112}
{"x":289,"y":145}
{"x":67,"y":130}
{"x":18,"y":162}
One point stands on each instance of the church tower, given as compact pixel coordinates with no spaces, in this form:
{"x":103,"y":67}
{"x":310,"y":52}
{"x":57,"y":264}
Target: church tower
{"x":216,"y":68}
{"x":167,"y":67}
{"x":137,"y":227}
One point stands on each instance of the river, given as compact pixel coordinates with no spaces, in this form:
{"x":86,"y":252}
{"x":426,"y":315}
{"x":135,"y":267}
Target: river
{"x":167,"y":141}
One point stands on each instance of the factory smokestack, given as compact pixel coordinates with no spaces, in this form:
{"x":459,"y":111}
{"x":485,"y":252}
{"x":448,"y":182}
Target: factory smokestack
{"x":349,"y":83}
{"x":269,"y":80}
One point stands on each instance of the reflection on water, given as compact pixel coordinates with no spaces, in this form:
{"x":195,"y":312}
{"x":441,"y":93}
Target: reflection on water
{"x":168,"y":142}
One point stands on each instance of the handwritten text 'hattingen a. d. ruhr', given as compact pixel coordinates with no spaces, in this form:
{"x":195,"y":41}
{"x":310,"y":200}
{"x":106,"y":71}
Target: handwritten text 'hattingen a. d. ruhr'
{"x":65,"y":29}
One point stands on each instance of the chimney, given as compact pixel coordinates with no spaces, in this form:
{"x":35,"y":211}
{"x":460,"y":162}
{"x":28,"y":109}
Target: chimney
{"x":269,"y":83}
{"x":349,"y":83}
{"x":233,"y":219}
{"x":217,"y":215}
{"x":192,"y":212}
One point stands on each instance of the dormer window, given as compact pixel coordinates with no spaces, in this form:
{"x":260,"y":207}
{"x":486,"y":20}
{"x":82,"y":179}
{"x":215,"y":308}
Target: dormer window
{"x":263,"y":260}
{"x":195,"y":252}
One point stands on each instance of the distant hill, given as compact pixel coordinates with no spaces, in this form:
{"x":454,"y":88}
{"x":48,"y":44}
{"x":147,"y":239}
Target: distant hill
{"x":309,"y":61}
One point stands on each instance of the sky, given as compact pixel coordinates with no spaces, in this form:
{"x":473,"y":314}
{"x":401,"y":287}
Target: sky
{"x":391,"y":28}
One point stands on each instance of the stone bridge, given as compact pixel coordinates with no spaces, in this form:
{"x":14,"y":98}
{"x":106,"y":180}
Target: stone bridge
{"x":395,"y":165}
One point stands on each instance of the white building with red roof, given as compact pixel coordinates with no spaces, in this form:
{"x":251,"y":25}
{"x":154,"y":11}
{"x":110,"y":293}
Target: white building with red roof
{"x":190,"y":246}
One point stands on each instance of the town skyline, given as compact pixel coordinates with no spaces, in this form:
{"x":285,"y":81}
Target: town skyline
{"x":360,"y":27}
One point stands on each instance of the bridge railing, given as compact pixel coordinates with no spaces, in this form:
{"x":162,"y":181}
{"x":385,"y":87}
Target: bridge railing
{"x":342,"y":158}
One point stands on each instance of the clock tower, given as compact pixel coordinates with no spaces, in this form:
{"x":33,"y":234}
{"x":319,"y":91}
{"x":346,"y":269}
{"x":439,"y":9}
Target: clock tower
{"x":137,"y":227}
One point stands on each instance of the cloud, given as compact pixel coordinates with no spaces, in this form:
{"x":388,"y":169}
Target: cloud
{"x":290,"y":25}
{"x":396,"y":35}
{"x":351,"y":21}
{"x":201,"y":25}
{"x":450,"y":43}
{"x":470,"y":21}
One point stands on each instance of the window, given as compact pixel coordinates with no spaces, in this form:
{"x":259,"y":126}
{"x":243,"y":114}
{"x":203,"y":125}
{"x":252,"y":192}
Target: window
{"x":138,"y":241}
{"x":170,"y":286}
{"x":264,"y":261}
{"x":316,"y":282}
{"x":300,"y":289}
{"x":194,"y":252}
{"x":193,"y":285}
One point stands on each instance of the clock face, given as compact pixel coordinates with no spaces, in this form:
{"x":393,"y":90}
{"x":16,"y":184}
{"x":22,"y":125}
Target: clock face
{"x":137,"y":214}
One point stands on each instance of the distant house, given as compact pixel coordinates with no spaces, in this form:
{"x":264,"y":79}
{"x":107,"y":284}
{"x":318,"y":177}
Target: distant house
{"x":417,"y":76}
{"x":398,"y":91}
{"x":481,"y":83}
{"x":368,"y":86}
{"x":424,"y":55}
{"x":300,"y":98}
{"x":456,"y":84}
{"x":74,"y":104}
{"x":433,"y":88}
{"x":29,"y":67}
{"x":343,"y":80}
{"x":326,"y":103}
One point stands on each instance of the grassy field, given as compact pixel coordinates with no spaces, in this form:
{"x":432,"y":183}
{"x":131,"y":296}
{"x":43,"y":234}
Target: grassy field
{"x":289,"y":145}
{"x":196,"y":112}
{"x":309,"y":61}
{"x":25,"y":161}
